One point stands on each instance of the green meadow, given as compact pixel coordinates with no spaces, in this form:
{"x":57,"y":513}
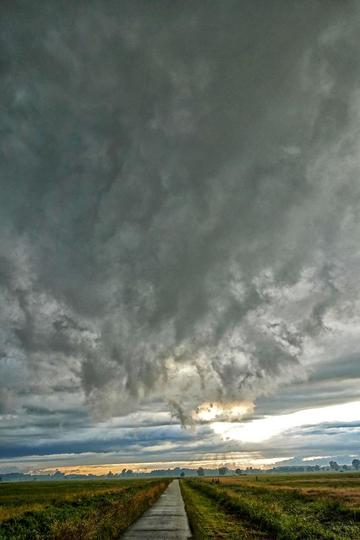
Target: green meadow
{"x":282,"y":507}
{"x":74,"y":509}
{"x":267,"y":506}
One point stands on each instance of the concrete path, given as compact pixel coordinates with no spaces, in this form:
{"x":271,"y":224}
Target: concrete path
{"x":165,"y":520}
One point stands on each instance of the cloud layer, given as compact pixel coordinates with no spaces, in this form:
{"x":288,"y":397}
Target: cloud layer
{"x":179,"y":203}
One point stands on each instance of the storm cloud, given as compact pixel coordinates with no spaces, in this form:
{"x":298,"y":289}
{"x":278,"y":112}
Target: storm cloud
{"x":179,"y":201}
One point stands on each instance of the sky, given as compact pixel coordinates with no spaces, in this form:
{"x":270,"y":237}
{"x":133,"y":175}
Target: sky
{"x":179,"y":233}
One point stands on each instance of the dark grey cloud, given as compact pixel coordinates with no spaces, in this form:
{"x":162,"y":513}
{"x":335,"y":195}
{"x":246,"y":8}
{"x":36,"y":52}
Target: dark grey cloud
{"x":179,"y":200}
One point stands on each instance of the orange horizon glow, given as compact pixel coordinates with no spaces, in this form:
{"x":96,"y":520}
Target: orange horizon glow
{"x":99,"y":470}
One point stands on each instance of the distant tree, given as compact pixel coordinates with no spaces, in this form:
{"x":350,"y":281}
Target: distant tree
{"x":223,"y":471}
{"x":356,"y":464}
{"x":200,"y":471}
{"x":182,"y":474}
{"x":238,"y":472}
{"x":110,"y":474}
{"x":334,"y":466}
{"x":317,"y":468}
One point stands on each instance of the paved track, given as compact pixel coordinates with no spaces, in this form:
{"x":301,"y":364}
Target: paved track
{"x":165,"y":520}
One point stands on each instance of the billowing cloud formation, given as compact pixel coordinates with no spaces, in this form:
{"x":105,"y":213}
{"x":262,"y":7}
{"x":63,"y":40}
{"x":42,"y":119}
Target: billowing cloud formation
{"x":179,"y":198}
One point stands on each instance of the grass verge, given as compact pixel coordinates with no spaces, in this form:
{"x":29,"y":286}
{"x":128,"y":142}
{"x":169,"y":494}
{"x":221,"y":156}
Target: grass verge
{"x":208,"y":521}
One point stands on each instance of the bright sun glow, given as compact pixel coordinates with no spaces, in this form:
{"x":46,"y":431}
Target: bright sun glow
{"x":270,"y":426}
{"x":315,"y":458}
{"x":216,"y":410}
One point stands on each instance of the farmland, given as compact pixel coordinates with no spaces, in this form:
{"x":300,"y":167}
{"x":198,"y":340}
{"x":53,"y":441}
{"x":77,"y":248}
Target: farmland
{"x":267,"y":506}
{"x":74,"y":509}
{"x":291,"y":507}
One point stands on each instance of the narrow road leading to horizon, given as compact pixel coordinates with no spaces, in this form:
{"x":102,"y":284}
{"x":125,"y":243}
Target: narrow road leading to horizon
{"x":165,"y":520}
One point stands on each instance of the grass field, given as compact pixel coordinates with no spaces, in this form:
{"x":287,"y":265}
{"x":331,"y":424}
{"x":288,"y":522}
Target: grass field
{"x":291,"y":507}
{"x":282,"y":507}
{"x":209,"y":520}
{"x":74,"y":509}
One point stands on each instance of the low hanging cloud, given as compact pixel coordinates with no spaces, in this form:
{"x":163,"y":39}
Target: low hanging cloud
{"x":179,"y":204}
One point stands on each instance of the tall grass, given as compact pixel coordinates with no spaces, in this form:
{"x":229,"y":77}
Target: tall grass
{"x":286,"y":515}
{"x":104,"y":516}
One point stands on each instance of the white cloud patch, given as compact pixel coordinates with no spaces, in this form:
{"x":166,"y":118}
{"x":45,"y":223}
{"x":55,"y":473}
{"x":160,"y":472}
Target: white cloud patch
{"x":263,"y":429}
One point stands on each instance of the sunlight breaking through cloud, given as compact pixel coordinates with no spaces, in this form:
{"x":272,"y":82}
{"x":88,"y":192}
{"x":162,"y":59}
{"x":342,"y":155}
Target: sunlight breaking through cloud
{"x":260,"y":430}
{"x":216,"y":410}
